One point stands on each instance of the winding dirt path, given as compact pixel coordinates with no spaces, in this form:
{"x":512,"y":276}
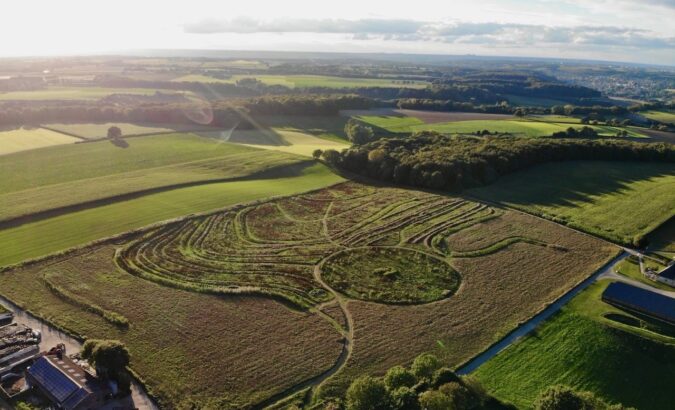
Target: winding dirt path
{"x":345,"y":354}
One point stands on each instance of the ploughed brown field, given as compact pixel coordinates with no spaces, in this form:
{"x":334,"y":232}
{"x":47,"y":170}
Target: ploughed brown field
{"x":235,"y":307}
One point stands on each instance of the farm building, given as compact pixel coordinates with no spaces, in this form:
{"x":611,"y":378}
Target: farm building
{"x":667,"y":275}
{"x":641,"y":301}
{"x":65,"y":383}
{"x":18,"y":344}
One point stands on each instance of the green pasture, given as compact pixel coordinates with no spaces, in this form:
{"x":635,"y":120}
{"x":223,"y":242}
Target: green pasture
{"x":77,"y":228}
{"x":392,"y":123}
{"x":534,"y":126}
{"x":66,"y":163}
{"x":615,"y":200}
{"x":661,"y":116}
{"x":631,"y":362}
{"x":23,"y":139}
{"x":100,"y":130}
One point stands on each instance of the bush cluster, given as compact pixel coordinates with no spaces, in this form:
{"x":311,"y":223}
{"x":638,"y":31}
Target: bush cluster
{"x":425,"y":385}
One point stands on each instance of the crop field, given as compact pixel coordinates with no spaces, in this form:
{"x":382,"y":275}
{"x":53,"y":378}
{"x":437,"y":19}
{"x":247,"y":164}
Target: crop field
{"x":174,"y":333}
{"x":328,"y":127}
{"x":306,"y":81}
{"x":593,"y":346}
{"x":475,"y":267}
{"x":662,"y":116}
{"x":510,"y":266}
{"x":387,"y":117}
{"x":525,"y":127}
{"x":22,"y":139}
{"x":174,"y":166}
{"x":94,"y":130}
{"x":286,"y":140}
{"x":620,"y":201}
{"x":75,"y":93}
{"x":51,"y":235}
{"x":407,"y":121}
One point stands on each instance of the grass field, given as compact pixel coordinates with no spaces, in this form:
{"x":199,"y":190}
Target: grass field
{"x":74,"y":93}
{"x":94,"y":130}
{"x":275,"y":249}
{"x":615,"y":200}
{"x":662,"y":116}
{"x":51,"y":235}
{"x":61,"y":164}
{"x":631,"y":269}
{"x":662,"y":240}
{"x":306,"y":81}
{"x":23,"y":139}
{"x":223,"y":161}
{"x":301,"y":143}
{"x":535,"y":126}
{"x":391,"y":123}
{"x":585,"y":349}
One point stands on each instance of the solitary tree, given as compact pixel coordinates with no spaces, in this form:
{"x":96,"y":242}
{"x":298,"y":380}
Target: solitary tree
{"x":358,"y":133}
{"x":114,"y":132}
{"x":317,"y":153}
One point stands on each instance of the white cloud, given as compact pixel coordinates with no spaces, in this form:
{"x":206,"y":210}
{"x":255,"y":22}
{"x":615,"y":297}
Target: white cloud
{"x":505,"y":34}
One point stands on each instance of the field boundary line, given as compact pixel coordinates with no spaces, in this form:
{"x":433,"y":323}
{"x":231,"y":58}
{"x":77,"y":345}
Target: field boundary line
{"x":70,"y":134}
{"x":82,"y":206}
{"x":144,"y":229}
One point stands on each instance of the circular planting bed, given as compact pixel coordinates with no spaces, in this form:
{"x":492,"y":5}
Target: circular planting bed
{"x":390,"y":275}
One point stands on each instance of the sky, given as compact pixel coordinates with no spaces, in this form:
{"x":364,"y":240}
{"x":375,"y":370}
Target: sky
{"x":641,"y":31}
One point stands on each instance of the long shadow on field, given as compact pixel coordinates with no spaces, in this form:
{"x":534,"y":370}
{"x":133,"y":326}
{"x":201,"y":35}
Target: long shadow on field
{"x":282,"y":171}
{"x":564,"y":183}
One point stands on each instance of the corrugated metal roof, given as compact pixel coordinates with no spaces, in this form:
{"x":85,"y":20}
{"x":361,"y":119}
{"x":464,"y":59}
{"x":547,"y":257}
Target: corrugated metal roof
{"x":642,"y":300}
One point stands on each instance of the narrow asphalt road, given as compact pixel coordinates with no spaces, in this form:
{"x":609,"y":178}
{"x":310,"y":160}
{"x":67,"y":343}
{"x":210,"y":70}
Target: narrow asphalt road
{"x":537,"y":319}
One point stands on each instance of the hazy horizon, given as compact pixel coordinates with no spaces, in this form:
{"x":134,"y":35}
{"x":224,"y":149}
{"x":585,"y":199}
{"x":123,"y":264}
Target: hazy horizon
{"x":628,"y":31}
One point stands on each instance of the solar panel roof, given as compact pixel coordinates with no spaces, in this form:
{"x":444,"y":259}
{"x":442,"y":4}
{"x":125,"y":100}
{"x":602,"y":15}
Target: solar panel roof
{"x":52,"y":380}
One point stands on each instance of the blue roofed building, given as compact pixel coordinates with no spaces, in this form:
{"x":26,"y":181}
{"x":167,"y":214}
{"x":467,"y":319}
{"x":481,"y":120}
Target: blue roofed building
{"x":643,"y":301}
{"x":667,"y":275}
{"x":65,"y":384}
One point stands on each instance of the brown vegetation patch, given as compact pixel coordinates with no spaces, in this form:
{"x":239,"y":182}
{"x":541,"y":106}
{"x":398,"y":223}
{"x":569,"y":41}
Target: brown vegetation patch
{"x":228,"y":352}
{"x":498,"y":292}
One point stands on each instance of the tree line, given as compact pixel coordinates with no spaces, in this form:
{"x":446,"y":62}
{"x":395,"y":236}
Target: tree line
{"x":437,"y":161}
{"x":217,"y":113}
